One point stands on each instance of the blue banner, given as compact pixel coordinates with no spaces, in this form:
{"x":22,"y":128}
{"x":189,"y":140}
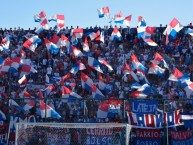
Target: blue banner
{"x":144,"y":107}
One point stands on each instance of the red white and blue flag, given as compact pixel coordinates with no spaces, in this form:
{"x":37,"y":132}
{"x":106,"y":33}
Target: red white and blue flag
{"x":32,"y":43}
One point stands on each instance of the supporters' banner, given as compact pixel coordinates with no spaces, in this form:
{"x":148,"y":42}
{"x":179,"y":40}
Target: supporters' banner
{"x":181,"y":137}
{"x":99,"y":136}
{"x":144,"y":107}
{"x":114,"y":108}
{"x":3,"y":135}
{"x":154,"y":121}
{"x":2,"y":89}
{"x":148,"y":136}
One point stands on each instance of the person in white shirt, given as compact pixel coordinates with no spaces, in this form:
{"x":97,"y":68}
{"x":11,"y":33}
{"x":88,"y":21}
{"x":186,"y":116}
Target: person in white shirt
{"x":49,"y":71}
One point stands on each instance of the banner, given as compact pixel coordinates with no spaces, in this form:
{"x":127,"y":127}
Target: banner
{"x":144,"y":107}
{"x":154,"y":121}
{"x":148,"y":136}
{"x":181,"y":137}
{"x":2,"y":89}
{"x":99,"y":136}
{"x":114,"y":108}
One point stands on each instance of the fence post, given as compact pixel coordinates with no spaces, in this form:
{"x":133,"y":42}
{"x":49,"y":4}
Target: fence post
{"x":84,"y":101}
{"x":164,"y":123}
{"x":123,"y":114}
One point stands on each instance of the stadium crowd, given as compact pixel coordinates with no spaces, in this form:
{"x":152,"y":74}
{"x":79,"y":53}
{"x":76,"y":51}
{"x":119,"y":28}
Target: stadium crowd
{"x":178,"y":54}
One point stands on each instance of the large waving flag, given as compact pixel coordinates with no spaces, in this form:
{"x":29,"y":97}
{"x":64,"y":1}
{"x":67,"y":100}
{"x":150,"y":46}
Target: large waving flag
{"x":104,"y":12}
{"x":86,"y":82}
{"x":15,"y":64}
{"x":40,"y":17}
{"x":187,"y":85}
{"x":43,"y":26}
{"x":173,"y":28}
{"x":51,"y":47}
{"x":29,"y":105}
{"x":60,"y":42}
{"x":47,"y":111}
{"x":69,"y":95}
{"x":77,"y":67}
{"x":116,"y":35}
{"x":76,"y":51}
{"x":127,"y":70}
{"x":155,"y":69}
{"x":177,"y":76}
{"x":136,"y":65}
{"x":123,"y":20}
{"x":77,"y":33}
{"x":32,"y":43}
{"x":150,"y":42}
{"x":141,"y":22}
{"x":93,"y":63}
{"x":118,"y":15}
{"x":159,"y":59}
{"x":59,"y":20}
{"x":27,"y":69}
{"x":5,"y":43}
{"x":104,"y":62}
{"x":6,"y":65}
{"x":96,"y":93}
{"x":141,"y":92}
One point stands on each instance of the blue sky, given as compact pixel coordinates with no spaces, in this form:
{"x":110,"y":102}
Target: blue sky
{"x":83,"y":12}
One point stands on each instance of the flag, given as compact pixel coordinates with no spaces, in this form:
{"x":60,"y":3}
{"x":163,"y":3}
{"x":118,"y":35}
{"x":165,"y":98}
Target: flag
{"x":150,"y":42}
{"x":43,"y":26}
{"x":118,"y":15}
{"x":159,"y":59}
{"x":51,"y":47}
{"x":6,"y":65}
{"x":104,"y":62}
{"x":67,"y":76}
{"x":127,"y":70}
{"x":13,"y":103}
{"x":135,"y":86}
{"x":103,"y":110}
{"x":27,"y":69}
{"x":77,"y":33}
{"x":116,"y":35}
{"x":101,"y":37}
{"x":39,"y":17}
{"x":22,"y":80}
{"x":32,"y":43}
{"x":5,"y":43}
{"x":173,"y":28}
{"x":69,"y":95}
{"x":101,"y":83}
{"x":136,"y":65}
{"x":29,"y":105}
{"x":76,"y":51}
{"x":59,"y":20}
{"x":96,"y":93}
{"x":93,"y":63}
{"x":141,"y":22}
{"x":176,"y":75}
{"x":15,"y":64}
{"x":141,"y":92}
{"x":189,"y":31}
{"x":104,"y":12}
{"x":155,"y":69}
{"x":94,"y":35}
{"x":85,"y":45}
{"x":187,"y":118}
{"x":188,"y":87}
{"x":86,"y":82}
{"x":77,"y":67}
{"x":124,"y":20}
{"x":47,"y":111}
{"x":49,"y":89}
{"x":41,"y":96}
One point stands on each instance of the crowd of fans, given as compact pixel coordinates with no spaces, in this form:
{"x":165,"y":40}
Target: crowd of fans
{"x":178,"y":54}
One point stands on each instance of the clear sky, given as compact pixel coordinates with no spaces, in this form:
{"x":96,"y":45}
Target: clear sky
{"x":14,"y":13}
